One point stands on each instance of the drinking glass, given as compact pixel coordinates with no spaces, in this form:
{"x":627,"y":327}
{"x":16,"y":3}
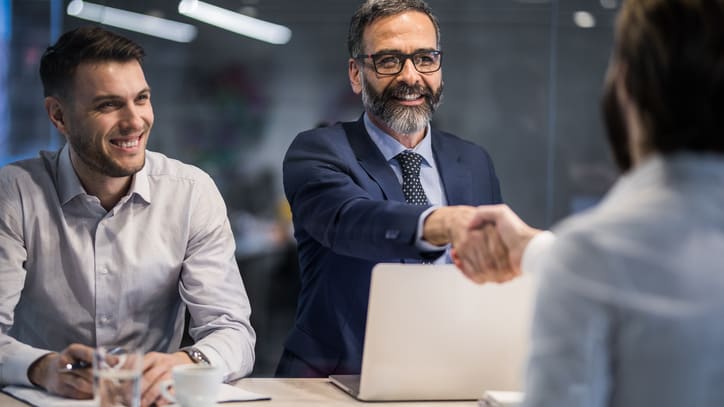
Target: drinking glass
{"x":117,"y":376}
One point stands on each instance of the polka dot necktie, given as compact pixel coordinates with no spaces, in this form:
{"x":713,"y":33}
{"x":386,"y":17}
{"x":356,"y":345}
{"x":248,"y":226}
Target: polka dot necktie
{"x":411,"y":185}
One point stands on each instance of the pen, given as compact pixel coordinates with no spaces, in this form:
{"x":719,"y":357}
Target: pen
{"x":78,"y":364}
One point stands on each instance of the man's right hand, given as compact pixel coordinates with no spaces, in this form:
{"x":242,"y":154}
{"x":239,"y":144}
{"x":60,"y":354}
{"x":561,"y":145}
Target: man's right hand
{"x":48,"y":372}
{"x":477,"y":248}
{"x":498,"y":238}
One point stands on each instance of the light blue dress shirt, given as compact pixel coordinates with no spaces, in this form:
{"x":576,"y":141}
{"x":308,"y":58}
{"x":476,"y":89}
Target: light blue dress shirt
{"x":429,"y":175}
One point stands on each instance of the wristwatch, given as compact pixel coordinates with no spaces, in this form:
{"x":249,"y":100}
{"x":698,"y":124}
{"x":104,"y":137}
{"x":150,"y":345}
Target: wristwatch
{"x":196,"y":355}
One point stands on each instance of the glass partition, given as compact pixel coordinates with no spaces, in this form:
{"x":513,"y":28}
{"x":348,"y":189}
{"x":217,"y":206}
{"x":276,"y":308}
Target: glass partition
{"x":522,"y":78}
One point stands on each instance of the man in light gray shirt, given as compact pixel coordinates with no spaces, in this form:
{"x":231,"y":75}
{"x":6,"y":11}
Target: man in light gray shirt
{"x":629,"y":307}
{"x":105,"y":243}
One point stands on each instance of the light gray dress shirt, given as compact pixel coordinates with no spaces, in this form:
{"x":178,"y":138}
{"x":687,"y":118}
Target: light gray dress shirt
{"x":70,"y":271}
{"x":630,"y":306}
{"x":429,"y":175}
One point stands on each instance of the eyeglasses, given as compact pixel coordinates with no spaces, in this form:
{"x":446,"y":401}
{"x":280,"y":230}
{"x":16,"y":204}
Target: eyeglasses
{"x":391,"y":63}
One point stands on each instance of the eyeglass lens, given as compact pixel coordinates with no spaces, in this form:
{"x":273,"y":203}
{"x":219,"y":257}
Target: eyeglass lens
{"x":392,"y":63}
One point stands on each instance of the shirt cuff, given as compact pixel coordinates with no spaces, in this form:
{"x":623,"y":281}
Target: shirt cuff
{"x":535,"y":251}
{"x":14,"y":370}
{"x":212,"y":355}
{"x":420,"y":243}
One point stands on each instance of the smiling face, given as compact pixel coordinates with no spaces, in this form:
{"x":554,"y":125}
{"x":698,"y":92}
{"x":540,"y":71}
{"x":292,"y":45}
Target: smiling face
{"x":402,"y":104}
{"x":106,"y":119}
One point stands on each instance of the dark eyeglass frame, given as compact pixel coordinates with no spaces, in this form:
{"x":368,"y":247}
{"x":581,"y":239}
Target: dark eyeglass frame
{"x":403,"y":58}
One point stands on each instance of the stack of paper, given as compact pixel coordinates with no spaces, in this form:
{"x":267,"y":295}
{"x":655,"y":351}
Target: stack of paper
{"x":501,"y":399}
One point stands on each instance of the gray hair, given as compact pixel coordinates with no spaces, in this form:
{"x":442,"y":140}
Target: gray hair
{"x":372,"y":10}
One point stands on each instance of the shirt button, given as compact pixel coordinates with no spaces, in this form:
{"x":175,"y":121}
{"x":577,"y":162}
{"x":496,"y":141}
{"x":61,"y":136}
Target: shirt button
{"x":392,"y":234}
{"x":103,"y":270}
{"x":104,"y":319}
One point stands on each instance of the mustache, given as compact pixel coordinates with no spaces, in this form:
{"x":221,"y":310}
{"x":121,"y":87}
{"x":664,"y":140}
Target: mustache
{"x":402,"y":90}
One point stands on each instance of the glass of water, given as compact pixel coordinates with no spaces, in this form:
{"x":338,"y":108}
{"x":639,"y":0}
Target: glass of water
{"x":117,"y":377}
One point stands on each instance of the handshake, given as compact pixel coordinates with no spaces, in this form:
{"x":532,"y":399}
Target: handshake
{"x":487,"y":241}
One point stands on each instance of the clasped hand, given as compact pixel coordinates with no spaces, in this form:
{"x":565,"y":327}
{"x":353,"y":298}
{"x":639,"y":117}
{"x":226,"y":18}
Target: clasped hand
{"x":49,"y":372}
{"x":489,"y":248}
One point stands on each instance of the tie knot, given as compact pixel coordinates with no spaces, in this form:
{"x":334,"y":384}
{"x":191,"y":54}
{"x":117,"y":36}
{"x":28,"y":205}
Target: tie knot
{"x":410,"y":162}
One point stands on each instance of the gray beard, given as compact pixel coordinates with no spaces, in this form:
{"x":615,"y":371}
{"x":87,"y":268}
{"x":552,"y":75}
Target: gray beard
{"x":401,"y":119}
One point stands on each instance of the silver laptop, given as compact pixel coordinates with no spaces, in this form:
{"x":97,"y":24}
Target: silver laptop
{"x":434,"y":335}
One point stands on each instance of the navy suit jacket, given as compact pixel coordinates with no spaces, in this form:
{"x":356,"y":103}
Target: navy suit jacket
{"x":349,"y":214}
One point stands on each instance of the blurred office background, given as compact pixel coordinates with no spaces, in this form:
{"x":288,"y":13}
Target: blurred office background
{"x":522,"y":78}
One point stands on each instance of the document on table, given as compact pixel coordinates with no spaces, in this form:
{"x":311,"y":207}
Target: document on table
{"x":230,"y":394}
{"x":501,"y":399}
{"x":37,"y":397}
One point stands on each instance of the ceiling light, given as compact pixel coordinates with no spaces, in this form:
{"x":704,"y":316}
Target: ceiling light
{"x":584,"y":19}
{"x":235,"y":22}
{"x":142,"y":23}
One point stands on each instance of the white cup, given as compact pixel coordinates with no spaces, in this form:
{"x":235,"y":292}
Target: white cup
{"x":194,"y":385}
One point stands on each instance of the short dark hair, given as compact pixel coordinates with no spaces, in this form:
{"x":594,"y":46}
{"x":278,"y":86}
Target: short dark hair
{"x":372,"y":10}
{"x":86,"y":44}
{"x":674,"y":54}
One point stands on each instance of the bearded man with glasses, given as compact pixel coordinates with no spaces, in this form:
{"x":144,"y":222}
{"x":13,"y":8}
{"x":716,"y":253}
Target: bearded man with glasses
{"x":386,"y":188}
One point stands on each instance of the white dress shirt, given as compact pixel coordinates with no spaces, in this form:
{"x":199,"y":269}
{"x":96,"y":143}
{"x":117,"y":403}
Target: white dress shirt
{"x":631,"y":296}
{"x":70,"y":271}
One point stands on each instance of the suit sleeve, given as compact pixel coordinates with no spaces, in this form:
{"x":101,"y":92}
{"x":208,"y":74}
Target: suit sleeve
{"x":333,"y":203}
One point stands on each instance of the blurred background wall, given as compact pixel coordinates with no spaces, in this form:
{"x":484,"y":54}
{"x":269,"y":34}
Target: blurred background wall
{"x":522,"y":78}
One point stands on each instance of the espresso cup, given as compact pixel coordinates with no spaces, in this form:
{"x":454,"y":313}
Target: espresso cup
{"x":194,"y":385}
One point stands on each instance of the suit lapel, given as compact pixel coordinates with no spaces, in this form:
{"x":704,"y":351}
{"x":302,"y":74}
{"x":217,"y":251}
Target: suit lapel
{"x":371,"y":159}
{"x":456,"y":178}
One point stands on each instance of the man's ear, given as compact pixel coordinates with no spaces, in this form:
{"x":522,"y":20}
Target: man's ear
{"x":56,"y":113}
{"x":355,"y":76}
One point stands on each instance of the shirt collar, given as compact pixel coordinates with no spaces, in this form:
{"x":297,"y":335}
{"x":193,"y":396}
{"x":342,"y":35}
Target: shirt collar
{"x":389,"y":147}
{"x":69,"y":185}
{"x":694,"y":168}
{"x":140,"y":185}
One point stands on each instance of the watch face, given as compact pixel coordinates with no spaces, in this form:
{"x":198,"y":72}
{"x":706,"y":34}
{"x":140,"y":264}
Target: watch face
{"x":196,"y":355}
